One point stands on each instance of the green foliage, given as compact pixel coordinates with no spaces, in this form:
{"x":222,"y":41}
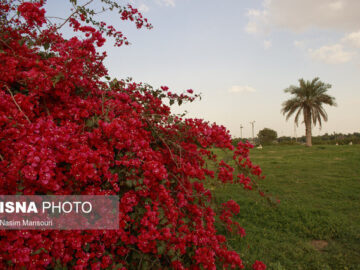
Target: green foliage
{"x":267,"y":136}
{"x":319,"y":190}
{"x":330,"y":139}
{"x":235,"y":141}
{"x":339,"y":138}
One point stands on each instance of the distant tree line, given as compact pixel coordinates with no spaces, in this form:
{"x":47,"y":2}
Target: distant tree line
{"x":333,"y":138}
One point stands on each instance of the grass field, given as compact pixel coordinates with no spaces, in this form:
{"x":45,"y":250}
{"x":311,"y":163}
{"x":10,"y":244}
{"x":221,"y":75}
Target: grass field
{"x":317,"y":223}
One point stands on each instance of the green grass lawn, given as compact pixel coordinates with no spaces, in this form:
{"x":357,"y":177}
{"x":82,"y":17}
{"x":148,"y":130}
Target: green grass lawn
{"x":317,"y":223}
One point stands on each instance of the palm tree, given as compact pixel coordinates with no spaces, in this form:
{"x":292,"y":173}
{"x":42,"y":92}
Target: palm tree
{"x":308,"y":98}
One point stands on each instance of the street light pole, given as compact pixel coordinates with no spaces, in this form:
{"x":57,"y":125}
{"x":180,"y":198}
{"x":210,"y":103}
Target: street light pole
{"x":252,"y":125}
{"x":241,"y":127}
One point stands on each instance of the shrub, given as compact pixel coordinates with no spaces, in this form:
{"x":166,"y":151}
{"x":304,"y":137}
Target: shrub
{"x":67,"y":128}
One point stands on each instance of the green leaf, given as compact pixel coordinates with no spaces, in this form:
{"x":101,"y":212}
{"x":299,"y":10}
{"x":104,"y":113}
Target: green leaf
{"x":129,"y":183}
{"x":46,"y":45}
{"x":57,"y":78}
{"x":138,"y":188}
{"x":87,"y":247}
{"x":145,"y":265}
{"x":39,"y":251}
{"x":58,"y":265}
{"x":118,"y":266}
{"x":161,"y":248}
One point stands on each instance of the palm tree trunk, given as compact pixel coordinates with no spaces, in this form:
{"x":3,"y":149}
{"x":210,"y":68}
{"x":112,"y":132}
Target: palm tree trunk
{"x":308,"y":127}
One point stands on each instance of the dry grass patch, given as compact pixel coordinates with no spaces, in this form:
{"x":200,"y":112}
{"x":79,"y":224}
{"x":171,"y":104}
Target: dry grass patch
{"x":319,"y":244}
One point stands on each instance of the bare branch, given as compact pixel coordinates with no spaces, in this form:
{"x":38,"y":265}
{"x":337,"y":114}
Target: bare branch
{"x":54,"y":17}
{"x":7,"y":45}
{"x":72,"y":14}
{"x":17,"y":105}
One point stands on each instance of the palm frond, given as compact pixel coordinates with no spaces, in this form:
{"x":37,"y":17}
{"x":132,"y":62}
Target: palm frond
{"x":309,"y":96}
{"x":297,"y":116}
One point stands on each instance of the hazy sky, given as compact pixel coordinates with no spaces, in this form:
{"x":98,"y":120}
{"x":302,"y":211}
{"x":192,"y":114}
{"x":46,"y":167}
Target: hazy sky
{"x":242,"y":54}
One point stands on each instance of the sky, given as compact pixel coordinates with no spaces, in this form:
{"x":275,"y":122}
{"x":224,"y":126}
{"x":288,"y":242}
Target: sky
{"x":241,"y":55}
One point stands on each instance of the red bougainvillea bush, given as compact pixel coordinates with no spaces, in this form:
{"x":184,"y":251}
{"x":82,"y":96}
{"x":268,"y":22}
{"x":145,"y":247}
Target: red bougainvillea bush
{"x":66,"y":128}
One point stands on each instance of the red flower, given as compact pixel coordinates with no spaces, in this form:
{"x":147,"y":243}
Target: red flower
{"x":32,"y":13}
{"x":258,"y":265}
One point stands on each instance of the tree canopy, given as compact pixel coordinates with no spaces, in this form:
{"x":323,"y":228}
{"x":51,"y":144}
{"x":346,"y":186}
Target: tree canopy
{"x":308,"y":99}
{"x":267,"y":136}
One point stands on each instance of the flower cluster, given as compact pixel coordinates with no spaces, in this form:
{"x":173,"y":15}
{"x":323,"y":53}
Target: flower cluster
{"x":66,"y":128}
{"x":229,"y":209}
{"x":258,"y":265}
{"x":33,"y":14}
